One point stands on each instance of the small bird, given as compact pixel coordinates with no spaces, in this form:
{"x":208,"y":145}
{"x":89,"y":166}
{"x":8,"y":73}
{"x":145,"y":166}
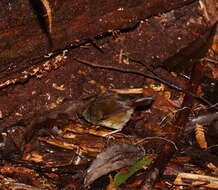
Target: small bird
{"x":111,"y":111}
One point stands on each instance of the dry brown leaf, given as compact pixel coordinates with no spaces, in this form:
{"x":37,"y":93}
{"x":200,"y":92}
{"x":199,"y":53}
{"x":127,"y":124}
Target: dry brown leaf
{"x":160,"y":103}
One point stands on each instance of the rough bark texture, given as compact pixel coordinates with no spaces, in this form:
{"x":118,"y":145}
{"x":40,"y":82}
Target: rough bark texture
{"x":124,"y":34}
{"x":22,"y":41}
{"x":156,"y":38}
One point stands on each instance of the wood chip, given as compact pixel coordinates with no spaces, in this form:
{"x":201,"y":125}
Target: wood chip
{"x":196,"y":180}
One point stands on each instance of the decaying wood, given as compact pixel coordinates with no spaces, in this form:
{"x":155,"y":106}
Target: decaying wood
{"x":75,"y":141}
{"x":71,"y":21}
{"x":72,"y":74}
{"x":35,"y":79}
{"x":195,"y":180}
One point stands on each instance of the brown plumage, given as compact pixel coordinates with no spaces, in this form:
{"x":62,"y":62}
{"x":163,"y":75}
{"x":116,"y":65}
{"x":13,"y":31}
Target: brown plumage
{"x":111,"y":111}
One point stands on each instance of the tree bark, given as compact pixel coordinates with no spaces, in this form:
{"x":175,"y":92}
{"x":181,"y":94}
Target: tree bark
{"x":22,"y":40}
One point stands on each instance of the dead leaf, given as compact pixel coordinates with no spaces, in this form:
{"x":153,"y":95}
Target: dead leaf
{"x":113,"y":158}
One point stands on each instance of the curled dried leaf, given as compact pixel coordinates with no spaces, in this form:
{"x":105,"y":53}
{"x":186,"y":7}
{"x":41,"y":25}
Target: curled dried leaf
{"x":113,"y":158}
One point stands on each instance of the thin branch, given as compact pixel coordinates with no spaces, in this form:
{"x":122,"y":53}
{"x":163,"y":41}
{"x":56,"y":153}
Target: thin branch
{"x":157,"y":138}
{"x":128,"y":91}
{"x":146,"y":75}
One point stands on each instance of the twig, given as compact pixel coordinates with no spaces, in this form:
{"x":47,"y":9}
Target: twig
{"x":211,"y":60}
{"x":128,"y":71}
{"x":157,"y":138}
{"x":128,"y":91}
{"x":146,"y":75}
{"x":196,"y":180}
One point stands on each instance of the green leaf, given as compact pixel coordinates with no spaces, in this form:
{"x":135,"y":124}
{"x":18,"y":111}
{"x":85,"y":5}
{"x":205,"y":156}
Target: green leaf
{"x":122,"y":177}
